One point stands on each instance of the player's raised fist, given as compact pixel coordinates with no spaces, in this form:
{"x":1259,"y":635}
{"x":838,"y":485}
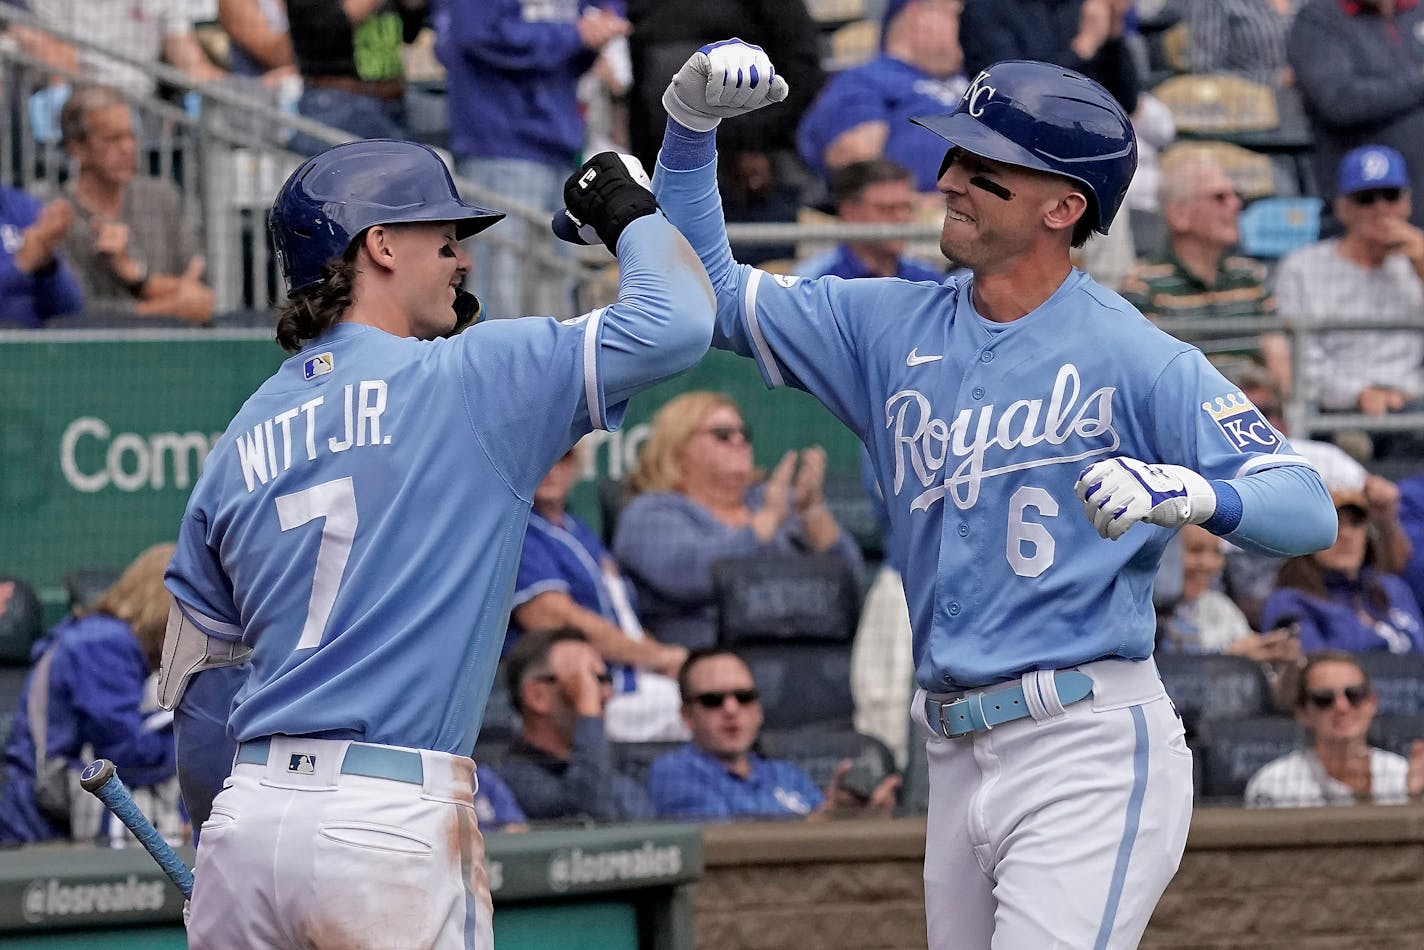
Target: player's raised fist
{"x":1119,"y":492}
{"x":722,"y":80}
{"x":602,"y":198}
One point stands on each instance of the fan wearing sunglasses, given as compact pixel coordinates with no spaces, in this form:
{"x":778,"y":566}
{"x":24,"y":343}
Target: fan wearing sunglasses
{"x":719,"y":776}
{"x":561,"y":766}
{"x":1336,"y":703}
{"x":699,"y":498}
{"x":1373,"y":272}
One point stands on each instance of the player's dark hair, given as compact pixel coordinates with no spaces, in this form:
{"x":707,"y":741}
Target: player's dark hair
{"x":1302,"y":692}
{"x":311,"y":311}
{"x":1085,"y":225}
{"x":684,"y":672}
{"x":848,"y":182}
{"x":530,"y":654}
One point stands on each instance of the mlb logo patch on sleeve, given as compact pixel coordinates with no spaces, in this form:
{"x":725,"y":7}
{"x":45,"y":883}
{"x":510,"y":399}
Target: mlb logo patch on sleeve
{"x":1242,"y":423}
{"x":318,"y":365}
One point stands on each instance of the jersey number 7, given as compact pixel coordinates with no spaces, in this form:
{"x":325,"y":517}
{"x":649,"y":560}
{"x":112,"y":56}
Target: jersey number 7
{"x":335,"y":502}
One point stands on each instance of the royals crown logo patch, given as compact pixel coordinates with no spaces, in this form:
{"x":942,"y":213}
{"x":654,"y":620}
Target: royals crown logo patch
{"x":1242,"y":423}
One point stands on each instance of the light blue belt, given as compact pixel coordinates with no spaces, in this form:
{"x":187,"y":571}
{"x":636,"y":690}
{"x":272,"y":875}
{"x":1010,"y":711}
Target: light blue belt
{"x":373,"y":761}
{"x":982,"y":709}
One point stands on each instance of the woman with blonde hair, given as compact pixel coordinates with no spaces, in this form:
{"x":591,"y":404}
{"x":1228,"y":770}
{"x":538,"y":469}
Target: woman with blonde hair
{"x":698,"y":498}
{"x":88,"y":697}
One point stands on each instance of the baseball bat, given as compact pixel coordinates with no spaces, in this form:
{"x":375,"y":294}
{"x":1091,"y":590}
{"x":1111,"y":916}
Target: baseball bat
{"x":101,"y":779}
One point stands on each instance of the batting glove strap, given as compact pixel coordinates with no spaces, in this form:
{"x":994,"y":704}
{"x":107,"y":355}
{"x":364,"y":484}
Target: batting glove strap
{"x":1119,"y":492}
{"x":719,"y":81}
{"x":607,"y":194}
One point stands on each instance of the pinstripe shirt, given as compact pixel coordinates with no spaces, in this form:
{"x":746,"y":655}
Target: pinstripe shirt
{"x":1246,"y":37}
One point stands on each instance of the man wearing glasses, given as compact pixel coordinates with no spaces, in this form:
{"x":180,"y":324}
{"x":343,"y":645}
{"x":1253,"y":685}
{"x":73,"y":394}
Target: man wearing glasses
{"x":1336,"y":703}
{"x":1374,"y":272}
{"x":561,"y":765}
{"x":718,"y":776}
{"x":1196,"y":276}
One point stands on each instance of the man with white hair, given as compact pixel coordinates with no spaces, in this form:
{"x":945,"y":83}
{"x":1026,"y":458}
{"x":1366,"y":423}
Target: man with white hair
{"x":1196,"y":276}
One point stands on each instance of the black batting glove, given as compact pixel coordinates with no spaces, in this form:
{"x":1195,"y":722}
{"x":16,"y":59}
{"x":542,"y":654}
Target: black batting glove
{"x":602,"y":198}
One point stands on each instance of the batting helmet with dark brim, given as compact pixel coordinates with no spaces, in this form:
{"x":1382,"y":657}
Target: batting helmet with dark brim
{"x":1037,"y":115}
{"x":333,"y":197}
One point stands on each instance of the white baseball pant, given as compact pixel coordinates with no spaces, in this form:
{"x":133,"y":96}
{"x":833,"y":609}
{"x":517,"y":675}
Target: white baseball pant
{"x":1060,"y":830}
{"x":299,"y":853}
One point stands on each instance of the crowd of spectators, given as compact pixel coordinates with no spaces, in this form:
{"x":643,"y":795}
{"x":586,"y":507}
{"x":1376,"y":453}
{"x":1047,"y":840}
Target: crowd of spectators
{"x":619,"y":644}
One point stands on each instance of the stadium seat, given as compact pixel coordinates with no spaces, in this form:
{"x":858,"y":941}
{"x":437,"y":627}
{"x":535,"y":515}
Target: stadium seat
{"x":1237,"y":748}
{"x":1214,"y":686}
{"x":850,"y":45}
{"x":633,"y":759}
{"x":501,"y":722}
{"x":820,"y":751}
{"x":792,"y":618}
{"x":85,"y":585}
{"x":21,"y":624}
{"x":1398,"y":680}
{"x":612,"y":496}
{"x":1397,"y":733}
{"x":846,"y":498}
{"x":1252,"y":173}
{"x":1218,"y":103}
{"x":1274,"y":226}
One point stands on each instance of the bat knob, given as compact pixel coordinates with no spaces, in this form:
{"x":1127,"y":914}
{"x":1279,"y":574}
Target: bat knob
{"x":96,"y":774}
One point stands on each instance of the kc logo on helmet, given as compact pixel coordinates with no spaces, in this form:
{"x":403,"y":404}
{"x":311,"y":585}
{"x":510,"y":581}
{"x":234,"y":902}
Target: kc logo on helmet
{"x":978,"y":89}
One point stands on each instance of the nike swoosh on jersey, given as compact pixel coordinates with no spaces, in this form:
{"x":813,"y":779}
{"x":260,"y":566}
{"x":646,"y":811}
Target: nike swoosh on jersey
{"x":915,"y":359}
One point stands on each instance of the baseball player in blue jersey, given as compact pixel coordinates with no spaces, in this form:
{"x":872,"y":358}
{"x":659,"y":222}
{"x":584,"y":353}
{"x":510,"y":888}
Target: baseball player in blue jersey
{"x":357,"y":529}
{"x":992,"y":406}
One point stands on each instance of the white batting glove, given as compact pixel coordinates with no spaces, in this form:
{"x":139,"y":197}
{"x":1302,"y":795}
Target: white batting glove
{"x":722,"y":80}
{"x":1119,"y":492}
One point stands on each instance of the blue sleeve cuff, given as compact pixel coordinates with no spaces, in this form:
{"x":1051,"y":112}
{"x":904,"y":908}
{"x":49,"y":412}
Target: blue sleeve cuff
{"x":683,"y":149}
{"x":1228,"y":509}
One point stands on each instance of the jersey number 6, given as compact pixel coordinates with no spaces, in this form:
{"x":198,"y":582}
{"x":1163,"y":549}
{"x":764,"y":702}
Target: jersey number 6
{"x":334,"y":501}
{"x":1029,"y":547}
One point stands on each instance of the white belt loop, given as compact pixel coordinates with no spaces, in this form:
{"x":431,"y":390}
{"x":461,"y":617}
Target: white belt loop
{"x":1041,"y":695}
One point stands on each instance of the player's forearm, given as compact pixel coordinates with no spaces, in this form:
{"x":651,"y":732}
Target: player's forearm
{"x":663,"y":316}
{"x":685,"y":183}
{"x":1284,"y":512}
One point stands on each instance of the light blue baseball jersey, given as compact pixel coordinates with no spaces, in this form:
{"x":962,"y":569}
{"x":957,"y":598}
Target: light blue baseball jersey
{"x":360,"y":521}
{"x":978,"y":431}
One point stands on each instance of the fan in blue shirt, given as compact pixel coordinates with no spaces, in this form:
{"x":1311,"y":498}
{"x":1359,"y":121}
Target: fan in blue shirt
{"x":717,"y":776}
{"x":35,"y":283}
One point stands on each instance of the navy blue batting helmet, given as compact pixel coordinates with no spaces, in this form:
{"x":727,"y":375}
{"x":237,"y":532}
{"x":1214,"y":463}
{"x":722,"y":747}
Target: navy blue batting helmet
{"x":334,"y":196}
{"x":1037,"y":115}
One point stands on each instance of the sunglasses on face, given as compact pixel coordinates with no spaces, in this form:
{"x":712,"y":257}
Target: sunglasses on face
{"x":1325,"y":698}
{"x":1367,"y":198}
{"x":717,"y":698}
{"x":728,"y":433}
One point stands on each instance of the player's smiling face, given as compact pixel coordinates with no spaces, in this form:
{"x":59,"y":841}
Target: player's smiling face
{"x":432,"y":267}
{"x":994,"y":211}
